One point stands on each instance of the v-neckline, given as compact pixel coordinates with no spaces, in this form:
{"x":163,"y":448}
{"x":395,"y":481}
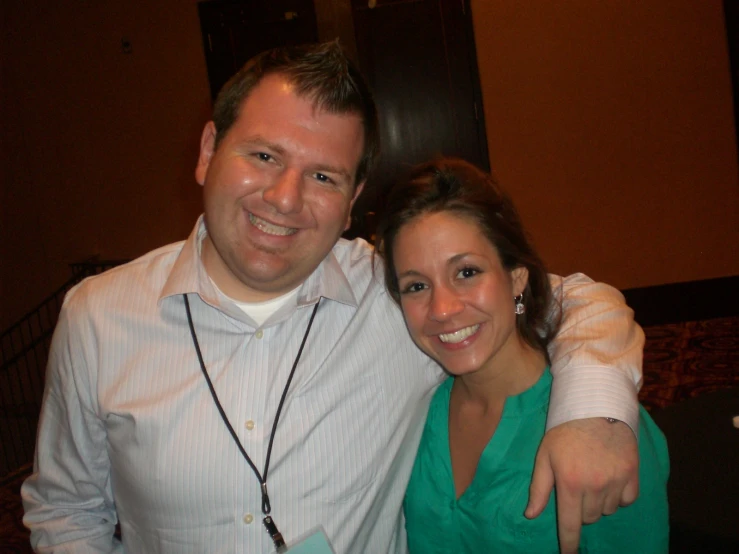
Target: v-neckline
{"x":496,"y":448}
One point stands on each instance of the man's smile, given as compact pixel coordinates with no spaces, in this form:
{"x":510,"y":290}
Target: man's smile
{"x":270,"y":228}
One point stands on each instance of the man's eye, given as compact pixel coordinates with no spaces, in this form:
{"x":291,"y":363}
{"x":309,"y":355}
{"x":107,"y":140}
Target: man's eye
{"x":323,"y":178}
{"x":264,"y":157}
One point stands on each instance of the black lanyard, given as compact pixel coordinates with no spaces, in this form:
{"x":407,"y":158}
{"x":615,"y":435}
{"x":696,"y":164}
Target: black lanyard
{"x":266,"y":506}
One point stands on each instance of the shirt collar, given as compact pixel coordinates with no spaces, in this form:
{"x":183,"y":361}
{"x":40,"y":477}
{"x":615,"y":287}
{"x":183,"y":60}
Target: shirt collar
{"x":188,"y":275}
{"x":328,"y":281}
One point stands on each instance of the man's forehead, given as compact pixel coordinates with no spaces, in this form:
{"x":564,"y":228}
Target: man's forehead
{"x":262,"y":117}
{"x":282,"y":82}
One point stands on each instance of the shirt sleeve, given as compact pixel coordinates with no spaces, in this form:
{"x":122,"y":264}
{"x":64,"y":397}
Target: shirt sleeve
{"x":68,"y":499}
{"x":596,"y":357}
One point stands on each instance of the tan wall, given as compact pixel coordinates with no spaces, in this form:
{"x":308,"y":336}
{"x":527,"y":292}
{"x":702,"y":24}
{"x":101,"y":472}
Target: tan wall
{"x":611,"y":122}
{"x":98,"y":146}
{"x":612,"y":125}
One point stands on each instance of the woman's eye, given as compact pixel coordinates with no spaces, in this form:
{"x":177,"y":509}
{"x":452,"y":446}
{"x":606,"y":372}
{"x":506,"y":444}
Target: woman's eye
{"x":467,"y":272}
{"x":413,"y":287}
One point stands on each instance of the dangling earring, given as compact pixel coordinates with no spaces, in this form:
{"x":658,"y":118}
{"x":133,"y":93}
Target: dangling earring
{"x":520,"y":308}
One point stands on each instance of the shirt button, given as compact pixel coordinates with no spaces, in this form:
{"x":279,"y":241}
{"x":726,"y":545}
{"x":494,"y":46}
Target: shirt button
{"x":248,"y":518}
{"x":259,"y":334}
{"x":250,"y":425}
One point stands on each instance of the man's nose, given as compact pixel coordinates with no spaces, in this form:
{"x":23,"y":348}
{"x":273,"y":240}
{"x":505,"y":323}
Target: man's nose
{"x":445,"y":303}
{"x":285,"y":194}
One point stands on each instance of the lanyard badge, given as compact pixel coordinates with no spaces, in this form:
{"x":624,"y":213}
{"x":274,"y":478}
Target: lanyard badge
{"x":314,"y":542}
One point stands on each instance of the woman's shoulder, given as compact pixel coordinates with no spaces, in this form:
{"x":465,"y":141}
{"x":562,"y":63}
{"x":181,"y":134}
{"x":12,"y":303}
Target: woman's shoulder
{"x":644,"y":525}
{"x":654,"y":459}
{"x":437,"y":416}
{"x":440,"y":400}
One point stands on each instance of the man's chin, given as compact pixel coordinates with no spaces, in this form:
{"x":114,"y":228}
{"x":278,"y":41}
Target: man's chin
{"x":268,"y":283}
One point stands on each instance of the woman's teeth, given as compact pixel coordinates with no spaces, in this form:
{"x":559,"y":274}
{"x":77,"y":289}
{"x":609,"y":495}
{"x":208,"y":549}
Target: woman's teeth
{"x":459,"y":336}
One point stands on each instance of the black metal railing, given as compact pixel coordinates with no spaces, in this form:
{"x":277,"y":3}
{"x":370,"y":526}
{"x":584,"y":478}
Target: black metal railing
{"x":24,"y":349}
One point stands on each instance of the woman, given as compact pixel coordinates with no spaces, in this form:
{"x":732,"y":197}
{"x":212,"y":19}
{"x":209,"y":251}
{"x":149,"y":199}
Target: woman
{"x":476,"y":298}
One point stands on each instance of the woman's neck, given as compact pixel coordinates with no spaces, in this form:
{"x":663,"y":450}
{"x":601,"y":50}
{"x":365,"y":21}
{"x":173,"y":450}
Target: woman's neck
{"x":510,"y":372}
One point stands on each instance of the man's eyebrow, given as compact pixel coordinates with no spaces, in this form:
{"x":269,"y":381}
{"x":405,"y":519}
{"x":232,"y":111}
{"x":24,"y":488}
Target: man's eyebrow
{"x":260,"y":141}
{"x":335,"y":169}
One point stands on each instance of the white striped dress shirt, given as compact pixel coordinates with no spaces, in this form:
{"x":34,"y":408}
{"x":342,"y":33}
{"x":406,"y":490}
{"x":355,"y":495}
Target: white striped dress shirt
{"x":129,"y":429}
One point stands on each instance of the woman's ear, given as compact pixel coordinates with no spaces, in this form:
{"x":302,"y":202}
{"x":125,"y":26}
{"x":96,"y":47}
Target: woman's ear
{"x":519,"y":278}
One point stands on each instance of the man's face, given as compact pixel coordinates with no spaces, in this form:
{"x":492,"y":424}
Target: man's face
{"x":278,"y":191}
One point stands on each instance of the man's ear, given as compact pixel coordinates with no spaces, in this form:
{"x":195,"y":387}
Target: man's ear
{"x":519,"y":278}
{"x":357,"y":191}
{"x":207,"y":148}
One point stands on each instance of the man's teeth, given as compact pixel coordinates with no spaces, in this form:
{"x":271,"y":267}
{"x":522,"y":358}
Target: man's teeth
{"x":270,"y":228}
{"x":459,"y":336}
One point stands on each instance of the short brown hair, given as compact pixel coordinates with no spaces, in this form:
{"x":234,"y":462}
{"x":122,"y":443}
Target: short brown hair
{"x":321,"y":72}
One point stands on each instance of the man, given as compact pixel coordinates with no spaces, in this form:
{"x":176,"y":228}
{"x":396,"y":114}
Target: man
{"x":255,"y":384}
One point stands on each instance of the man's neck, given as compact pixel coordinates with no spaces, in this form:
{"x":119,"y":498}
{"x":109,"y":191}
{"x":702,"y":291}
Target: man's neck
{"x":227,"y":282}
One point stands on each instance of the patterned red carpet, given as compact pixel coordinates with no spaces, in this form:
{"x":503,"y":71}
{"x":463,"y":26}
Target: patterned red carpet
{"x":681,"y":360}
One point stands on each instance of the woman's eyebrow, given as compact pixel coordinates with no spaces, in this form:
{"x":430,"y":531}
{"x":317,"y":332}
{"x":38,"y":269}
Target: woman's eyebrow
{"x":409,"y":273}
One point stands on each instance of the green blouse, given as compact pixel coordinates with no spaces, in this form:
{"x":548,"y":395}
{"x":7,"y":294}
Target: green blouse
{"x":488,"y":517}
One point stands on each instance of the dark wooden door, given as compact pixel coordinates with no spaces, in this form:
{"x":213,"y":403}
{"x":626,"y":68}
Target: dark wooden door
{"x":419,"y":58}
{"x":731,"y":14}
{"x":235,"y":30}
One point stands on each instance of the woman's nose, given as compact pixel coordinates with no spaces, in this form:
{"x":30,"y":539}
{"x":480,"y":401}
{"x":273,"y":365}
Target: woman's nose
{"x":445,"y":303}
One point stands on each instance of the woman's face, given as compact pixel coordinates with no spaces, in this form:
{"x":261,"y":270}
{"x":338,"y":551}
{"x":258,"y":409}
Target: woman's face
{"x":456,"y":296}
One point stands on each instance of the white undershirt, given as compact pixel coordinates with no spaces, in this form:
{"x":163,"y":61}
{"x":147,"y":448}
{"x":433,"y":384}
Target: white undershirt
{"x":260,"y":311}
